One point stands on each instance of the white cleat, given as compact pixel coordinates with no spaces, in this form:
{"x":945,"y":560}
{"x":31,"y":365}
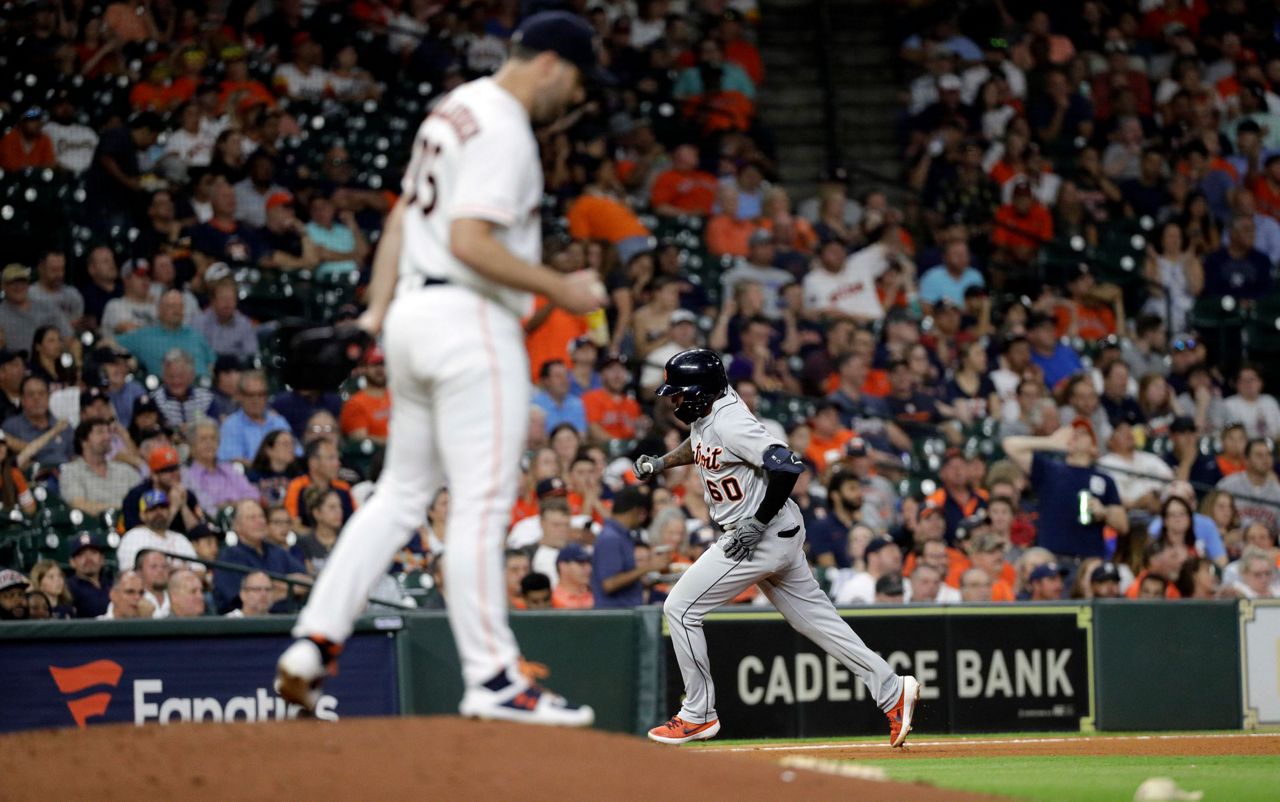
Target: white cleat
{"x":531,"y":705}
{"x":902,"y":713}
{"x":299,"y":672}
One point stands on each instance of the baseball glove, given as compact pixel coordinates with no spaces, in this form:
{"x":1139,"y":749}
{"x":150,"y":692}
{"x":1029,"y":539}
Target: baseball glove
{"x":311,"y":357}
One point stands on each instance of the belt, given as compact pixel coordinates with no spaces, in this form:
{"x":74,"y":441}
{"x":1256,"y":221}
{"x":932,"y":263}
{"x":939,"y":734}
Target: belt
{"x":435,"y":282}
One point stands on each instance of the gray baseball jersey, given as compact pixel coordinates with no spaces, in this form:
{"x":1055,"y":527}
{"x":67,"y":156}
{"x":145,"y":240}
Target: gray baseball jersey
{"x":728,"y":446}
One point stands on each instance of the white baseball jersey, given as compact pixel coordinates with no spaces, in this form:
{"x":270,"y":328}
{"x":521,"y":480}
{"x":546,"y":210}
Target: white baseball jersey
{"x":728,"y":448}
{"x":852,"y":291}
{"x":474,"y":157}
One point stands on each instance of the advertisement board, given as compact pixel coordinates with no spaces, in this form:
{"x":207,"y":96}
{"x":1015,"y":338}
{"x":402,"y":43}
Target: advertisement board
{"x":1260,"y":662}
{"x":164,"y":679}
{"x":981,"y":669}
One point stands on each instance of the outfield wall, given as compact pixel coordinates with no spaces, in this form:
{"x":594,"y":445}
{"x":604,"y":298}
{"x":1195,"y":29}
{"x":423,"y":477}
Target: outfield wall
{"x":1115,"y":665}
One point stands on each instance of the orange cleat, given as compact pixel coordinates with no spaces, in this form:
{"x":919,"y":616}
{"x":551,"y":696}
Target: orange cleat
{"x":679,"y":731}
{"x":901,"y":714}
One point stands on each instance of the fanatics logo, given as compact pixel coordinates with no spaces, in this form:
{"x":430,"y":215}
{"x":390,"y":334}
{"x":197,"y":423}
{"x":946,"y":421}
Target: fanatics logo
{"x":78,"y":678}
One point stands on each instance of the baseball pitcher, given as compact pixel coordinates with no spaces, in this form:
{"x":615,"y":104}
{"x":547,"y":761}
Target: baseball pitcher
{"x":748,"y":476}
{"x":451,"y":281}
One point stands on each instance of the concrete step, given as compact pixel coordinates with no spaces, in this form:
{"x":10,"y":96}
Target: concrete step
{"x":789,"y":118}
{"x":782,"y":58}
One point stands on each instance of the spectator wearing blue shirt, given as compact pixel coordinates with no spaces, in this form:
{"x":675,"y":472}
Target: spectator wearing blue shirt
{"x":827,"y":534}
{"x":950,"y":279}
{"x":583,"y":375}
{"x":555,"y":399}
{"x":1058,"y":485}
{"x":1266,"y":231}
{"x":114,"y":379}
{"x":253,"y":551}
{"x":616,"y":578}
{"x":150,"y":343}
{"x":1237,"y":268}
{"x":243,"y":430}
{"x":1056,"y":360}
{"x":341,"y":242}
{"x":1208,"y":538}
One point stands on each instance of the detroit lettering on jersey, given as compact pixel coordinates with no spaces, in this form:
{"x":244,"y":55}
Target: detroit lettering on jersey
{"x":709,"y":459}
{"x":728,"y":448}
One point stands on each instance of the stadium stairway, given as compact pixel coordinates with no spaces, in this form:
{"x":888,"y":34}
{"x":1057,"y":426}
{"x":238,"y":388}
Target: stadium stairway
{"x":791,"y":102}
{"x":864,"y":77}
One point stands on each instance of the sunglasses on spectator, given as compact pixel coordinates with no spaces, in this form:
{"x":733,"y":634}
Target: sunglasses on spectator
{"x":326,"y":428}
{"x":258,"y":589}
{"x":259,"y":394}
{"x":1184,"y":344}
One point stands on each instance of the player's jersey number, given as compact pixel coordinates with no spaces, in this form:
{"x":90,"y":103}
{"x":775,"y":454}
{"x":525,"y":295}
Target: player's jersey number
{"x":727,"y":488}
{"x":422,"y":186}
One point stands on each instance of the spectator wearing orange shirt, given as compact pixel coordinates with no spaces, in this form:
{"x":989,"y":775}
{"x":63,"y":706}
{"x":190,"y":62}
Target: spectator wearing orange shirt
{"x":366,"y":413}
{"x":986,"y":553}
{"x":321,"y":459}
{"x":573,"y":590}
{"x":683,"y":188}
{"x":955,"y":497}
{"x":1021,"y":228}
{"x":550,"y":330}
{"x":237,"y":86}
{"x":827,"y":437}
{"x":727,"y":235}
{"x":1163,"y":558}
{"x":1085,"y":312}
{"x":598,"y":214}
{"x":157,"y":93}
{"x":930,"y":547}
{"x":191,"y":64}
{"x":1266,"y":187}
{"x":1156,"y":22}
{"x":612,"y":412}
{"x":26,"y":144}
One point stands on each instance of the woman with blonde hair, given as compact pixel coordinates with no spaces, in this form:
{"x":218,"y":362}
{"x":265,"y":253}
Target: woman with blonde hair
{"x":47,"y":577}
{"x":1220,"y":506}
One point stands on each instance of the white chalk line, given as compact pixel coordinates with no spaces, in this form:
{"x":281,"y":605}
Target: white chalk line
{"x":980,"y":741}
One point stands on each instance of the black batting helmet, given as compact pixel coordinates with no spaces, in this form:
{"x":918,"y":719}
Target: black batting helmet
{"x":697,"y":377}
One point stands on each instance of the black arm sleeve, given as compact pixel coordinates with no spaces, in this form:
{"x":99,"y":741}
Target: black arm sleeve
{"x":782,"y":468}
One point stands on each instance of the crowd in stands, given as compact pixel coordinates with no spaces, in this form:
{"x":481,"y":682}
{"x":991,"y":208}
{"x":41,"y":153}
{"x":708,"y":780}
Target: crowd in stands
{"x":1033,"y":370}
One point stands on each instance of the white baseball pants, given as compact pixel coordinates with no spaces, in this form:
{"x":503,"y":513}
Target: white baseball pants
{"x":458,"y":375}
{"x":780,"y":569}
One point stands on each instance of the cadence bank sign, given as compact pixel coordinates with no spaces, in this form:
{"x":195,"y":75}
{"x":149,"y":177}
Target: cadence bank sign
{"x":1001,"y":671}
{"x":182,"y":679}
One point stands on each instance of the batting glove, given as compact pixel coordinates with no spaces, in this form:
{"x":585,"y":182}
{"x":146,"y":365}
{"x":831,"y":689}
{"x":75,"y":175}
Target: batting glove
{"x":741,"y":543}
{"x":647,"y":467}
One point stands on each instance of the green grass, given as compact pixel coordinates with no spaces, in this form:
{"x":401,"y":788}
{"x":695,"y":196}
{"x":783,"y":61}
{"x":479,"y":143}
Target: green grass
{"x":1090,"y":779}
{"x":973,"y":736}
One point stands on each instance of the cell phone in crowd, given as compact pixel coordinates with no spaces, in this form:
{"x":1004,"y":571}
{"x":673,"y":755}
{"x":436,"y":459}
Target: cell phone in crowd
{"x":1084,"y":513}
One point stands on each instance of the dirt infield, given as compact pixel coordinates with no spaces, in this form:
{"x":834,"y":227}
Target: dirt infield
{"x":399,"y":758}
{"x":1101,"y":745}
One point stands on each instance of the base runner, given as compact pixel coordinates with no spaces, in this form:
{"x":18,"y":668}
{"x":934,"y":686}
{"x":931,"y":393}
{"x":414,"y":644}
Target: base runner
{"x":748,"y":477}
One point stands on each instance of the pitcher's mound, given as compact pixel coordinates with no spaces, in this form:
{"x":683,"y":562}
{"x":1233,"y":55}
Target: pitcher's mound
{"x":399,"y":758}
